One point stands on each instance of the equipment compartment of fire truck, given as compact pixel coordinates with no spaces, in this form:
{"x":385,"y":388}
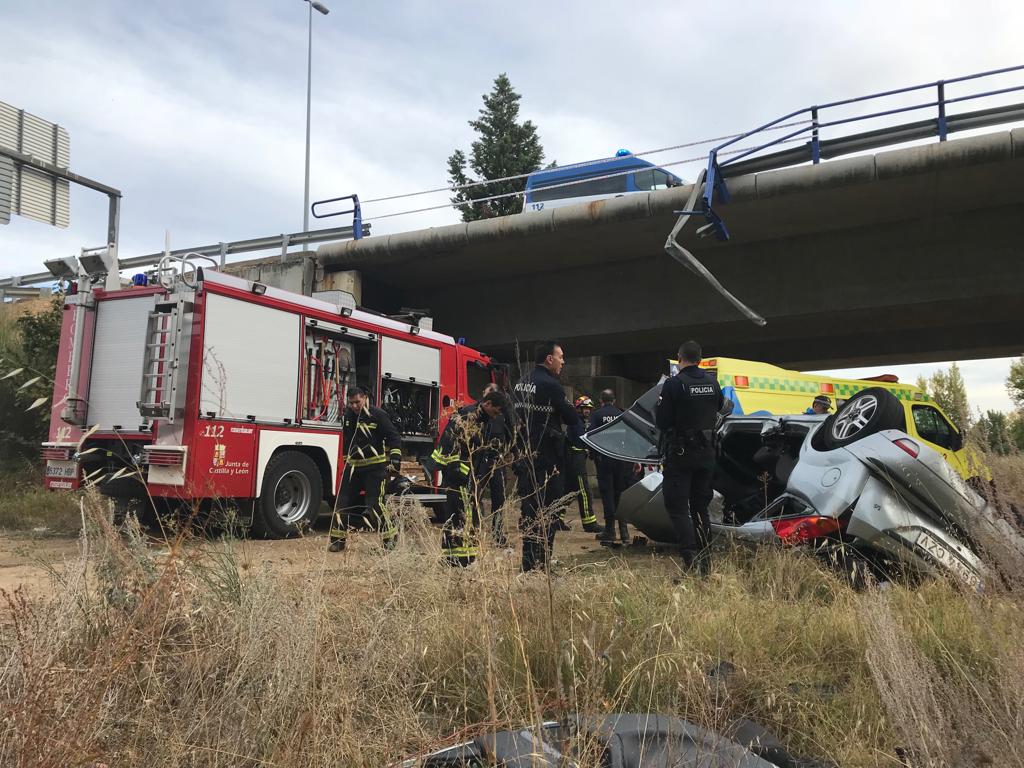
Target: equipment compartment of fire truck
{"x":201,"y":386}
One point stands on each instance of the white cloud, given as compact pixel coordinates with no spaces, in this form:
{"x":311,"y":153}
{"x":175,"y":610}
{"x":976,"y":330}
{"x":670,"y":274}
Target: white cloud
{"x":197,"y":110}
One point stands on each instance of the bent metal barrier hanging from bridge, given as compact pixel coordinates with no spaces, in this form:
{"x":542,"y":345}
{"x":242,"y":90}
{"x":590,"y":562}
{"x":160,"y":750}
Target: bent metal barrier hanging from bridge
{"x":712,"y":181}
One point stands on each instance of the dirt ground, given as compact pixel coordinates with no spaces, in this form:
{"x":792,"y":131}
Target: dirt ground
{"x":28,"y":561}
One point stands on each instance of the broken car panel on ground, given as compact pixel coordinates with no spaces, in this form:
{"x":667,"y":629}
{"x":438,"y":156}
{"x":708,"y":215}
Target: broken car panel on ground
{"x":619,"y":741}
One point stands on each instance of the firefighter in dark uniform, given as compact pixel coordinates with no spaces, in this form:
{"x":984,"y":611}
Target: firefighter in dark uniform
{"x":489,"y":468}
{"x":612,"y":474}
{"x":687,"y":413}
{"x":576,"y":480}
{"x":463,"y":440}
{"x":546,"y":421}
{"x":372,"y":445}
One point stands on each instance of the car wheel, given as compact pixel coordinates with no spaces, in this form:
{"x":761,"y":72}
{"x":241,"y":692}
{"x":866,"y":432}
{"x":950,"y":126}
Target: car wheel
{"x":867,"y":412}
{"x":291,"y":496}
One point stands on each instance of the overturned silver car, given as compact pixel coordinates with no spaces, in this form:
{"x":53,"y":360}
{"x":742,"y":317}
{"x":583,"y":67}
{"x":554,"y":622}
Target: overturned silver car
{"x":880,"y":495}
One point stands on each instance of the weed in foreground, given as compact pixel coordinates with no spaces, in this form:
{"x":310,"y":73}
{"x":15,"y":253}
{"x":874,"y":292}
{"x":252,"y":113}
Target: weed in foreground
{"x":175,"y":655}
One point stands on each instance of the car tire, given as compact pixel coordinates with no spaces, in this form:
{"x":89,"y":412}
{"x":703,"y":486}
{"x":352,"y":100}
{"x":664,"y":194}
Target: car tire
{"x":290,"y":498}
{"x":869,"y":411}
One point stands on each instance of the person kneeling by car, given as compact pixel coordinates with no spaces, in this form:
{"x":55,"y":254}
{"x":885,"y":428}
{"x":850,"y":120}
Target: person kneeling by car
{"x":686,"y":415}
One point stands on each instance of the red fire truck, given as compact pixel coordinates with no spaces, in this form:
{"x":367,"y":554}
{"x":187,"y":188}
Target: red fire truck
{"x":201,"y":386}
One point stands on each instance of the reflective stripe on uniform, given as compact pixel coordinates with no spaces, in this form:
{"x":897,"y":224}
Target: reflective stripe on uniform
{"x":467,"y":508}
{"x":443,"y":459}
{"x":388,"y":528}
{"x":587,"y":516}
{"x":353,"y":462}
{"x":338,"y":531}
{"x":470,"y":551}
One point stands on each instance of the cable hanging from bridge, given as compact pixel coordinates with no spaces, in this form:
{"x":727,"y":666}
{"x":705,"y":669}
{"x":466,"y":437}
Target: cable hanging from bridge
{"x":505,"y":195}
{"x":581,"y":164}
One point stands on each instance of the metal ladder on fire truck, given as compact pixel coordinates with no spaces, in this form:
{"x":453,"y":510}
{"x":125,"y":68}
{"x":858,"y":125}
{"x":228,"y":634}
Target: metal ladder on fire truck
{"x":164,"y":347}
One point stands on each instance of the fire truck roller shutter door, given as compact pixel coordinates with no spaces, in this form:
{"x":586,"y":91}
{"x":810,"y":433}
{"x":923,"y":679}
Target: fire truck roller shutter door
{"x":117,"y":357}
{"x":250,"y":360}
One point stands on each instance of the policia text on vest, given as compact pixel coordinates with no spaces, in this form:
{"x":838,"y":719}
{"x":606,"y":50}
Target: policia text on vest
{"x":547,"y":422}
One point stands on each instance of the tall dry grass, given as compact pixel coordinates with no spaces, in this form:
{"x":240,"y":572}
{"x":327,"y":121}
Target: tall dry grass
{"x":26,"y":505}
{"x":186,"y":655}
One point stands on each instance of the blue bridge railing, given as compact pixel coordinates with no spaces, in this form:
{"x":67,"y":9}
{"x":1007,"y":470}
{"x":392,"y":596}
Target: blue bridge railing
{"x":941,"y":124}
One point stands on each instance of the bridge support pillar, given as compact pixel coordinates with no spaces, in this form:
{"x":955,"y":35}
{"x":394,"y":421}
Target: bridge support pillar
{"x":350,"y":280}
{"x":294,"y":275}
{"x":589,"y":375}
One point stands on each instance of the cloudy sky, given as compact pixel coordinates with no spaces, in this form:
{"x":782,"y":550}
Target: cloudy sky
{"x":196,"y":109}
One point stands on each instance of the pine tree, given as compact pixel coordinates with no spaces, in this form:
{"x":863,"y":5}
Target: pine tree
{"x":506,"y":147}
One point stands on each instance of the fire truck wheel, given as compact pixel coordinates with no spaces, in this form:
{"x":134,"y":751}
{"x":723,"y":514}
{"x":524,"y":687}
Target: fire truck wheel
{"x":291,"y":496}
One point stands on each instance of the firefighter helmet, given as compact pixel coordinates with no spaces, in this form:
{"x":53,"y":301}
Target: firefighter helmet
{"x":584,"y":402}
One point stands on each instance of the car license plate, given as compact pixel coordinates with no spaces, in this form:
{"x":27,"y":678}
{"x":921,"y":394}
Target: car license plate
{"x":942,"y":555}
{"x":62,"y":469}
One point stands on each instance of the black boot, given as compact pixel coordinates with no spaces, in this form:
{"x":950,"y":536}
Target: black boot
{"x":607,"y":537}
{"x":337,"y":545}
{"x":593,"y":528}
{"x":533,"y":555}
{"x":624,"y":533}
{"x":702,"y":563}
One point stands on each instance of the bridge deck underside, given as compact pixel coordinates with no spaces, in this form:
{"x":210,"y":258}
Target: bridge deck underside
{"x":911,"y":255}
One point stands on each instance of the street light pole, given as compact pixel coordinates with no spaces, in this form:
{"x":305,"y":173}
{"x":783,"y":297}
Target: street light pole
{"x":309,"y":101}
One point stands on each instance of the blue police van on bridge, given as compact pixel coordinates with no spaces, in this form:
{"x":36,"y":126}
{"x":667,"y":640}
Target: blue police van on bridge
{"x":621,"y":175}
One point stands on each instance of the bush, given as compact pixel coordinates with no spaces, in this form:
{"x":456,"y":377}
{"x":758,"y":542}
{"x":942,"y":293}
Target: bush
{"x":29,"y":338}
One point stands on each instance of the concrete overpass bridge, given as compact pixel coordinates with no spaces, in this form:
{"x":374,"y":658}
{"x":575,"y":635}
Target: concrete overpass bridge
{"x":905,"y":255}
{"x":909,"y":255}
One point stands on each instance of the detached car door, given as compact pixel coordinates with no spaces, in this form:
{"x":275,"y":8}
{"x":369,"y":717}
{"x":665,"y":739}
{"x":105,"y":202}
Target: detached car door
{"x":632,"y":436}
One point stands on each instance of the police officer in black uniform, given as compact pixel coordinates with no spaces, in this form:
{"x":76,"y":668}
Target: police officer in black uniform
{"x":612,"y":474}
{"x":547,"y":421}
{"x":686,"y":415}
{"x":372,"y":444}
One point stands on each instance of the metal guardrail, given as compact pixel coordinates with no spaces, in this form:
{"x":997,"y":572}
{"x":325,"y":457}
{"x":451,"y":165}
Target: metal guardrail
{"x":219,"y":250}
{"x":817,"y":149}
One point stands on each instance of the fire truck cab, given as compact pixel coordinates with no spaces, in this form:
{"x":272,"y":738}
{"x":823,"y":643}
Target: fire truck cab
{"x":200,"y":387}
